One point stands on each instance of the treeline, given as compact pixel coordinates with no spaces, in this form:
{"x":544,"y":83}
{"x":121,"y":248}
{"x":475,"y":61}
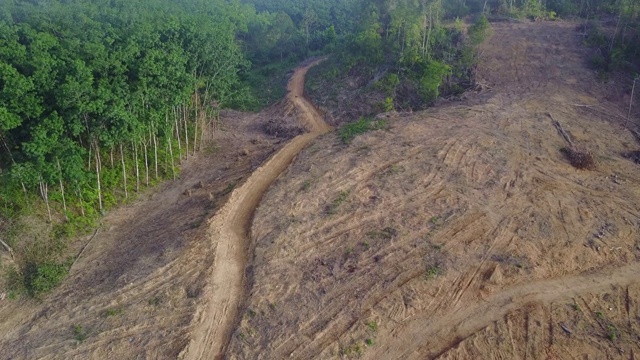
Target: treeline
{"x":101,"y":98}
{"x":403,"y":54}
{"x":400,"y":54}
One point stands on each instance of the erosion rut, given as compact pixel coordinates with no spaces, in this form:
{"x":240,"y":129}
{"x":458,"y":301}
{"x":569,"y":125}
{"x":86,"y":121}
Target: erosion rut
{"x":229,"y":230}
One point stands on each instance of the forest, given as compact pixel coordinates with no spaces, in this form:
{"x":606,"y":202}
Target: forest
{"x":102,"y":99}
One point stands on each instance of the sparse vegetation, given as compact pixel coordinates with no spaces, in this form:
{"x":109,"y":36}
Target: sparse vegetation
{"x":80,"y":333}
{"x":337,"y":202}
{"x":349,"y":131}
{"x":156,"y":300}
{"x":387,"y":233}
{"x":372,"y":325}
{"x":612,"y":333}
{"x":433,"y":272}
{"x":114,"y":311}
{"x":229,"y":188}
{"x":353,"y":350}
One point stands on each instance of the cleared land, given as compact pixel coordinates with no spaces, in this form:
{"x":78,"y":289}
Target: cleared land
{"x":463,"y":231}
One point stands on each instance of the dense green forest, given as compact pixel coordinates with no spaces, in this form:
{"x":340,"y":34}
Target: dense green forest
{"x":102,"y":98}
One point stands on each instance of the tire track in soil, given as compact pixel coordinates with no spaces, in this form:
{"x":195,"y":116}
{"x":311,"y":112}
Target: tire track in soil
{"x":229,"y":231}
{"x":448,"y":330}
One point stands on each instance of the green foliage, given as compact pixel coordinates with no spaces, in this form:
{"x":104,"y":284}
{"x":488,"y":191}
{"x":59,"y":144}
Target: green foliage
{"x":388,"y":104}
{"x":372,"y":325}
{"x":389,"y":84}
{"x":80,"y":334}
{"x":363,"y":125}
{"x":433,"y":74}
{"x":612,"y":333}
{"x":111,"y":312}
{"x":92,"y":93}
{"x":479,"y":31}
{"x":620,"y":52}
{"x":41,"y":278}
{"x":434,"y":271}
{"x":336,"y":203}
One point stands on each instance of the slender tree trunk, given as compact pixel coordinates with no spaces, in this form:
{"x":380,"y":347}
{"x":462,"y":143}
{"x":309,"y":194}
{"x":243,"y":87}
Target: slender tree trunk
{"x":633,"y":89}
{"x":111,"y":156}
{"x":155,"y":151}
{"x":424,"y":34}
{"x":195,"y":127}
{"x":186,"y":135}
{"x":44,"y":192}
{"x":146,"y":161}
{"x":173,"y":167}
{"x":124,"y":172}
{"x":98,"y":165}
{"x":177,"y":124}
{"x":24,"y":191}
{"x":64,"y":201}
{"x":135,"y":155}
{"x":79,"y":194}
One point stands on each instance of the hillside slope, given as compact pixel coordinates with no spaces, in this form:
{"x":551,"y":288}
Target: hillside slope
{"x":460,"y":232}
{"x":135,"y":289}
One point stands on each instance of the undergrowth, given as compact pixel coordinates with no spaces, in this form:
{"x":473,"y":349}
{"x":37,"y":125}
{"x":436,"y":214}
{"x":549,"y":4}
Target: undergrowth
{"x":349,"y":131}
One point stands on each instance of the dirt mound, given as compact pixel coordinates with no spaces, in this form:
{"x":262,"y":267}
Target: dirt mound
{"x":461,"y":232}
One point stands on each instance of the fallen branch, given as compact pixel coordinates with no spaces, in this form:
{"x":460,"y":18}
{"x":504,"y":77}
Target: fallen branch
{"x":84,"y":248}
{"x":561,"y":131}
{"x":9,"y":249}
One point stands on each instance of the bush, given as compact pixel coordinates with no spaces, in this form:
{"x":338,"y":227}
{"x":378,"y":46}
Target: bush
{"x":349,"y":131}
{"x":479,"y":31}
{"x":42,"y":278}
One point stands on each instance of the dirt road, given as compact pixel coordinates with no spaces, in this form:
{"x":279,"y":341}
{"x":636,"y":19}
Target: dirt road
{"x":229,"y":231}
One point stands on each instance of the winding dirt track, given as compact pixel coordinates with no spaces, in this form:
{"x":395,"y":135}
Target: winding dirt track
{"x":229,"y":230}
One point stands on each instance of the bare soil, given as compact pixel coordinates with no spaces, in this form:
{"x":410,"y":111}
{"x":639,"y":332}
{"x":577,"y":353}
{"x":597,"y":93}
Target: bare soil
{"x":462,"y":232}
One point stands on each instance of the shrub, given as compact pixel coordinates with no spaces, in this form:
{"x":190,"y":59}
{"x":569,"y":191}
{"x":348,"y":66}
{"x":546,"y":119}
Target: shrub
{"x":42,"y":278}
{"x":349,"y":131}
